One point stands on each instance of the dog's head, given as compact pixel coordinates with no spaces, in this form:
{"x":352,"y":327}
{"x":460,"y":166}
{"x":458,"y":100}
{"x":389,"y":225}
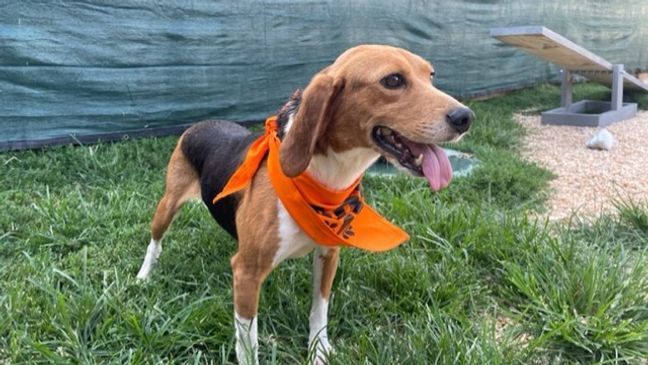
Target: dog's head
{"x":383,"y":98}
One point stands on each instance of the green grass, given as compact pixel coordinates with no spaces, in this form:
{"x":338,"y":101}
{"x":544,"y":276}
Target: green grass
{"x":74,"y":227}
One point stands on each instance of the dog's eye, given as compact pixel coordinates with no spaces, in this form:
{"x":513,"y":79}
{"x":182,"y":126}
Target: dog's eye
{"x":432,"y":76}
{"x":393,"y":81}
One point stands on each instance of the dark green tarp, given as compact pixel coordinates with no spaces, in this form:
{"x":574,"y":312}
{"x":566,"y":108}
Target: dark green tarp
{"x":88,"y":67}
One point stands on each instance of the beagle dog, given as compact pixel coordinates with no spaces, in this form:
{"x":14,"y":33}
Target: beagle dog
{"x":372,"y":101}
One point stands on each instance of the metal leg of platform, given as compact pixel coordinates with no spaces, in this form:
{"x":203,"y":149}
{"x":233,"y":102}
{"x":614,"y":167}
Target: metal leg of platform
{"x":589,"y":112}
{"x":565,"y":89}
{"x":617,"y":87}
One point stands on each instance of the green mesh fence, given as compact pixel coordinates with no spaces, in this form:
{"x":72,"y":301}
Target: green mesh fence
{"x":93,"y":67}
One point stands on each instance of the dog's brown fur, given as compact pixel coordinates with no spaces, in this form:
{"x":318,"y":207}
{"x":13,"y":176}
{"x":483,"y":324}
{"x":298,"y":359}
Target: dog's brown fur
{"x":339,"y":109}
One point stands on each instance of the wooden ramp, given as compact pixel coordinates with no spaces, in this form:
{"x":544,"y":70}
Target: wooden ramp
{"x":551,"y":46}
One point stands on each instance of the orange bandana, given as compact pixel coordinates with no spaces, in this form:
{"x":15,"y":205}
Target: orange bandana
{"x":329,"y":217}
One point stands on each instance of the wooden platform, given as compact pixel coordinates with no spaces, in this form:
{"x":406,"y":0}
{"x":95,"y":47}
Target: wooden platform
{"x":551,"y":46}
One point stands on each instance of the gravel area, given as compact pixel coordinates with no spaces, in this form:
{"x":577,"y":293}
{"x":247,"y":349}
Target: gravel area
{"x":589,"y":180}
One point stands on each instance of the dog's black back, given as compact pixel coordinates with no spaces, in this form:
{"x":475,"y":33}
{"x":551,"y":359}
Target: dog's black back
{"x":216,"y":148}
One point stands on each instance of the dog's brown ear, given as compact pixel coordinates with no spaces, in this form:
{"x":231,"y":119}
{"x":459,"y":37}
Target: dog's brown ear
{"x":311,"y":120}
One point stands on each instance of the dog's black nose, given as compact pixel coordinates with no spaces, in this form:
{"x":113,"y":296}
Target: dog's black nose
{"x":460,"y":118}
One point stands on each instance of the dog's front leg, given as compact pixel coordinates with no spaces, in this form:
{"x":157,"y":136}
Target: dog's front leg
{"x":325,"y":261}
{"x":247,"y":286}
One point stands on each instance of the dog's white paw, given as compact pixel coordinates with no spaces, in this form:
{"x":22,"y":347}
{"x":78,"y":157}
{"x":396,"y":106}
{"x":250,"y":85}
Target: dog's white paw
{"x":144,"y":272}
{"x":152,"y":253}
{"x":321,"y":350}
{"x":142,"y":277}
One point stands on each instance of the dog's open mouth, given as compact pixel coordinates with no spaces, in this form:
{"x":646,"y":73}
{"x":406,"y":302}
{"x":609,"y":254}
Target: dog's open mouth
{"x":427,"y":160}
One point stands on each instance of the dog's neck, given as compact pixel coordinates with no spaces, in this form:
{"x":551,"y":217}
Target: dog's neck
{"x":338,"y":170}
{"x":335,"y":170}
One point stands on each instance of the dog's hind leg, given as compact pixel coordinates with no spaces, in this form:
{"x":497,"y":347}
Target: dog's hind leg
{"x":181,"y":184}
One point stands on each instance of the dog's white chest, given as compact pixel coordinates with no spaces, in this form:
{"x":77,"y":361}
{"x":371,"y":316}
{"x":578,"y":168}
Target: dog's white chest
{"x":293,"y":242}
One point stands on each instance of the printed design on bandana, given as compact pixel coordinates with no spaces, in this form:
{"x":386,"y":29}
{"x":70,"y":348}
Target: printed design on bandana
{"x":340,"y":218}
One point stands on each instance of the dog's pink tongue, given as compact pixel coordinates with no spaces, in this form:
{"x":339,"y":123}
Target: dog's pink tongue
{"x":436,"y":165}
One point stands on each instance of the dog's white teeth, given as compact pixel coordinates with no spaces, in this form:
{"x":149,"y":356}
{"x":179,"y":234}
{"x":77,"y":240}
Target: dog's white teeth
{"x":419,"y":160}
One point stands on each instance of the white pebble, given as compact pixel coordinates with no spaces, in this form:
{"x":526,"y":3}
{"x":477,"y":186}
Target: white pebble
{"x":601,"y":140}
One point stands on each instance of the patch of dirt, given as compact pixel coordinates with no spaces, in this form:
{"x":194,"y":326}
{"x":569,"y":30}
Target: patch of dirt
{"x":503,"y":324}
{"x":588,"y":181}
